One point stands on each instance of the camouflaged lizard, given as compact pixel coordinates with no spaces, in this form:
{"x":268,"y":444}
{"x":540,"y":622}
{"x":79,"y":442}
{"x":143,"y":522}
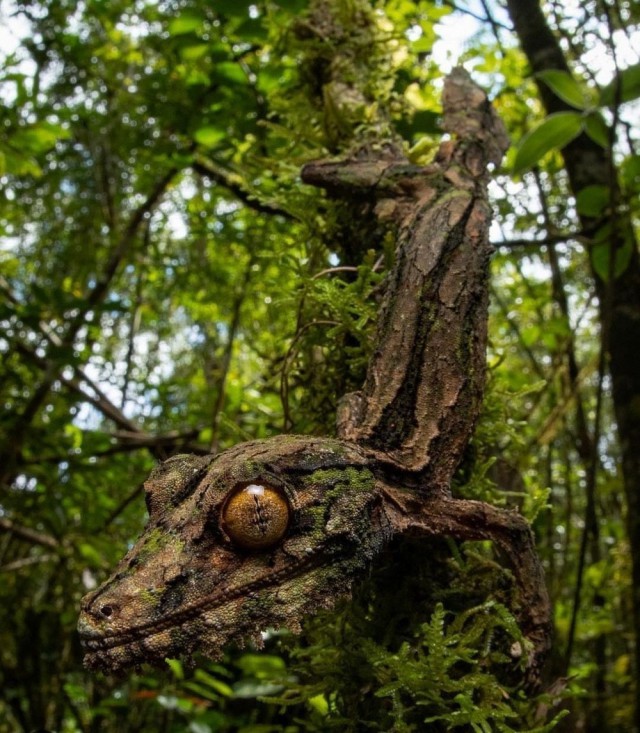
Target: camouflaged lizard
{"x":266,"y":533}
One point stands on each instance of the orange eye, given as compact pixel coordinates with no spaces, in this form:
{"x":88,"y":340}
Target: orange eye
{"x":256,"y":516}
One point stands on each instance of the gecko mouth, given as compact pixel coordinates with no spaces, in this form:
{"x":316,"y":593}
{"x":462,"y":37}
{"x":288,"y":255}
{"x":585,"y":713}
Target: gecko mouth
{"x":93,"y":642}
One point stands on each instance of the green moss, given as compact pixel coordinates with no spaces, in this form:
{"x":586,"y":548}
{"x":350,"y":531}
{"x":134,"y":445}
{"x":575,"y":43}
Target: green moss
{"x":149,"y":598}
{"x":338,"y":480}
{"x":156,"y":540}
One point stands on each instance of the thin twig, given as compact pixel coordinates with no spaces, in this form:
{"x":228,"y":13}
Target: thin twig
{"x":284,"y":382}
{"x":236,"y":185}
{"x":25,"y":562}
{"x":227,"y":354}
{"x":122,"y":505}
{"x":578,"y":236}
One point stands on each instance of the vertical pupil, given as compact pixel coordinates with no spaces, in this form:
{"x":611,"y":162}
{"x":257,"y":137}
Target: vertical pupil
{"x":261,"y":508}
{"x":256,"y":516}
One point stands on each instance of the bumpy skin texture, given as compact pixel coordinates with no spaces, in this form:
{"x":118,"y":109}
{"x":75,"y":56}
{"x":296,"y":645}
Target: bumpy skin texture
{"x":192,"y":581}
{"x":186,"y":584}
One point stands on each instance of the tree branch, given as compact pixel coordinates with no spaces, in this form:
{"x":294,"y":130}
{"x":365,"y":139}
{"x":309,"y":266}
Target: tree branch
{"x":24,"y":562}
{"x":95,"y":295}
{"x":101,"y":402}
{"x":236,"y":185}
{"x":27,"y":534}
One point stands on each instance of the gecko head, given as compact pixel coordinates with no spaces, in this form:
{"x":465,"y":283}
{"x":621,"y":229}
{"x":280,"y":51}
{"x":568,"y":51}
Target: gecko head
{"x":256,"y":538}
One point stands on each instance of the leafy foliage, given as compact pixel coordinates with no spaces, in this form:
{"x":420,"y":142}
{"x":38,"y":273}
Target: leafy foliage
{"x":168,"y":285}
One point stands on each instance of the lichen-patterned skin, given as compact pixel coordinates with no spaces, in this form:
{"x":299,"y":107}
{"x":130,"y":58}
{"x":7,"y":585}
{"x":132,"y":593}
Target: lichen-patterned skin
{"x":185,"y":585}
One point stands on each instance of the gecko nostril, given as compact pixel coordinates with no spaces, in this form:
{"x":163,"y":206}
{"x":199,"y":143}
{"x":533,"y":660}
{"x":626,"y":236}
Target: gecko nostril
{"x":106,"y":611}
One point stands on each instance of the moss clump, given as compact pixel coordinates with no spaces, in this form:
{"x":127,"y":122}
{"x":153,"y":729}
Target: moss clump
{"x":156,"y":540}
{"x":340,"y":480}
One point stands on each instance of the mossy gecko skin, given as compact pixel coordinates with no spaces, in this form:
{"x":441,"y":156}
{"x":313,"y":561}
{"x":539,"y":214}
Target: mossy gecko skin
{"x":187,"y":582}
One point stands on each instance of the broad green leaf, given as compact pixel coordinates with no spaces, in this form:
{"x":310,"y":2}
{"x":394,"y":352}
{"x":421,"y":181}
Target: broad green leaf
{"x":564,"y":86}
{"x":186,"y":23}
{"x":630,"y":172}
{"x":197,"y":77}
{"x":19,"y":164}
{"x":592,"y":200}
{"x":230,"y":72}
{"x":555,"y":131}
{"x":219,"y":51}
{"x":601,"y":254}
{"x":629,"y":80}
{"x":209,"y":136}
{"x":596,"y":128}
{"x":194,"y":52}
{"x":424,"y":44}
{"x":38,"y":137}
{"x":271,"y":78}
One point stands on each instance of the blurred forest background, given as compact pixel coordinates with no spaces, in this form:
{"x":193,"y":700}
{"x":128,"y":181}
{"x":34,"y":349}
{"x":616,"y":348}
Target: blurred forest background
{"x":168,"y":285}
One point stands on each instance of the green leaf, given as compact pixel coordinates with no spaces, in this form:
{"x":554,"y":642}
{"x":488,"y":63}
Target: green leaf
{"x":261,"y":665}
{"x":233,"y":8}
{"x":592,"y":200}
{"x":630,"y":173}
{"x":629,"y":80}
{"x":231,"y":72}
{"x":596,"y":128}
{"x":209,"y":136}
{"x":193,"y":52}
{"x":18,"y":164}
{"x":601,"y":254}
{"x":422,"y":122}
{"x":208,"y":680}
{"x":176,"y":667}
{"x":319,"y":703}
{"x":90,"y":554}
{"x":38,"y":138}
{"x":252,"y":688}
{"x":555,"y":131}
{"x":252,"y":29}
{"x":186,"y":23}
{"x":564,"y":86}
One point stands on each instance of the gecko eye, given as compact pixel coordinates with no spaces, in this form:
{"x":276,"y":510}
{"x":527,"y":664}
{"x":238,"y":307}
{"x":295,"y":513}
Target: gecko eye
{"x":256,"y":516}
